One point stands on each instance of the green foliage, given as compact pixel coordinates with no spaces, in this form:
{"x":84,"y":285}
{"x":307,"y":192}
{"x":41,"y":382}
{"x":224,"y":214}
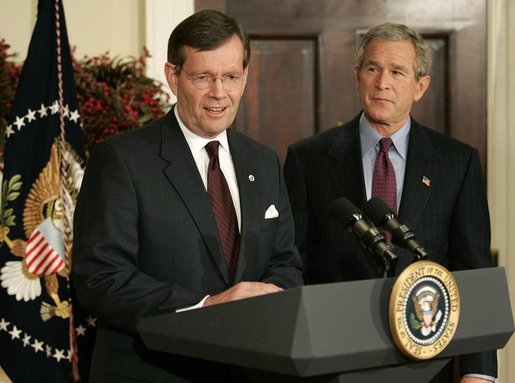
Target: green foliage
{"x":9,"y":75}
{"x":10,"y":191}
{"x":414,"y":323}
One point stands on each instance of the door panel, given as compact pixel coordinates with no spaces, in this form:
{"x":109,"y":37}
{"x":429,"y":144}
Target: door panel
{"x":301,"y":73}
{"x":280,"y":86}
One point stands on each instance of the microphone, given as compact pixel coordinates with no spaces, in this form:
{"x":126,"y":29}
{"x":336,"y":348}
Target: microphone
{"x":402,"y":235}
{"x":370,"y":237}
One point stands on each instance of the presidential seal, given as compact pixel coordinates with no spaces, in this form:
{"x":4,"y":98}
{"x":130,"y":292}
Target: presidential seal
{"x":424,"y":310}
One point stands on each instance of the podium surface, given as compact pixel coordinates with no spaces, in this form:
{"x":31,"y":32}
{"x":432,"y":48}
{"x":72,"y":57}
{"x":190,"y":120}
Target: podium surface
{"x":338,"y":332}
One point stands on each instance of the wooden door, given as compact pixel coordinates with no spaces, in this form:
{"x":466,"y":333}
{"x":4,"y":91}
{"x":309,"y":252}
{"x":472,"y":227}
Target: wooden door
{"x":301,"y":73}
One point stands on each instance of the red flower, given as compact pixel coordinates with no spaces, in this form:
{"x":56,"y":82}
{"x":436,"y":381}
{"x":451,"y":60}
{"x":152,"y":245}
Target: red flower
{"x":114,"y":95}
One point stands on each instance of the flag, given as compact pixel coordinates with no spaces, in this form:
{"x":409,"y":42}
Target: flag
{"x":41,"y":325}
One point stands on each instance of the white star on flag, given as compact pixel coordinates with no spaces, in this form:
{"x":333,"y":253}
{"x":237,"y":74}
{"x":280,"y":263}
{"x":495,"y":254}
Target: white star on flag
{"x":91,"y":321}
{"x":54,"y":108}
{"x":26,"y":340}
{"x":74,"y":115}
{"x":37,"y":345}
{"x":15,"y":333}
{"x":59,"y":354}
{"x":81,"y":330}
{"x":9,"y":130}
{"x":31,"y":115}
{"x":19,"y":122}
{"x":4,"y":325}
{"x":42,"y":111}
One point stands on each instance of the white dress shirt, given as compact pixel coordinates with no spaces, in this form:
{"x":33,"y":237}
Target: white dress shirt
{"x":398,"y":153}
{"x":197,"y":146}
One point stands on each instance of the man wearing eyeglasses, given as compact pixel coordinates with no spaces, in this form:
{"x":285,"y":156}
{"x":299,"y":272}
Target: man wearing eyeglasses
{"x":181,"y":213}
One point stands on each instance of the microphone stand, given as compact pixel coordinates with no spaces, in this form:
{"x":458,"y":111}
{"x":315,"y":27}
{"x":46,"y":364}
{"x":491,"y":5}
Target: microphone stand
{"x":389,"y":270}
{"x":376,"y":243}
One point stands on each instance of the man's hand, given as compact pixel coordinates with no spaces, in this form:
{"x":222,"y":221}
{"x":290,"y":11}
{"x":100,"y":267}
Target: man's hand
{"x":241,"y":291}
{"x":469,"y":379}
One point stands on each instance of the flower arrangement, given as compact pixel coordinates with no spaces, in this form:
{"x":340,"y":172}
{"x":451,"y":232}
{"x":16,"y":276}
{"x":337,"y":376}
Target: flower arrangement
{"x":114,"y":95}
{"x":9,"y":75}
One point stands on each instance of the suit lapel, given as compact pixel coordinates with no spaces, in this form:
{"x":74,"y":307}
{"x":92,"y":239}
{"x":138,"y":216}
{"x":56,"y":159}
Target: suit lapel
{"x":420,"y":171}
{"x":347,"y":175}
{"x":183,"y":174}
{"x":248,"y":186}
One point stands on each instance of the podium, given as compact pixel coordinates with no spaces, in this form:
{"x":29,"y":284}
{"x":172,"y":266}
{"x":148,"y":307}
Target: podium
{"x":334,"y":332}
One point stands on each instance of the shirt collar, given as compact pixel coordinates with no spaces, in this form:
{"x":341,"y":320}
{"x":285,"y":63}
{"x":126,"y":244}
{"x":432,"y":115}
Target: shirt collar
{"x":197,"y":143}
{"x":370,"y":137}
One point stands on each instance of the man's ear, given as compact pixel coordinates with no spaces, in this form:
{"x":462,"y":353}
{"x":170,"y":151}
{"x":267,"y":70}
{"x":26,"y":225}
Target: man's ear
{"x":356,"y":75}
{"x":245,"y":76}
{"x":422,"y":85}
{"x":171,"y":76}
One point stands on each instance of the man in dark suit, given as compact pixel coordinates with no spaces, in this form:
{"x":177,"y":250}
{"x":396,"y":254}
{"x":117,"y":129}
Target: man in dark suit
{"x":147,"y":237}
{"x":438,"y":188}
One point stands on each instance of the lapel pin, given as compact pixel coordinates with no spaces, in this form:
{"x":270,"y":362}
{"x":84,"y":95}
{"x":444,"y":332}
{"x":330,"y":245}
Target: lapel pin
{"x":426,"y":181}
{"x":251,"y":178}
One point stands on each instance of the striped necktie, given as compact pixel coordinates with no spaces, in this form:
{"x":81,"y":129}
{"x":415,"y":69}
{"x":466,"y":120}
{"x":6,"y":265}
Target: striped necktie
{"x":223,"y":209}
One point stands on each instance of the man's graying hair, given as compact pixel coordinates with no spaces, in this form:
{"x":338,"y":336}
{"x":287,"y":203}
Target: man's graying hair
{"x":397,"y":32}
{"x":205,"y":30}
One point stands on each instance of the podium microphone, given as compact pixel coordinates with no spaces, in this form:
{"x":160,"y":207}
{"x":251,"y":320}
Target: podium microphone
{"x":370,"y":237}
{"x":402,"y":236}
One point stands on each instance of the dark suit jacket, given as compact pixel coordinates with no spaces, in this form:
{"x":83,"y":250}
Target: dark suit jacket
{"x":146,"y":242}
{"x":450,"y":215}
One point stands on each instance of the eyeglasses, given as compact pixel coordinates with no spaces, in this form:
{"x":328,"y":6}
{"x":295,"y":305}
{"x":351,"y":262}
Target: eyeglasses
{"x":230,"y":82}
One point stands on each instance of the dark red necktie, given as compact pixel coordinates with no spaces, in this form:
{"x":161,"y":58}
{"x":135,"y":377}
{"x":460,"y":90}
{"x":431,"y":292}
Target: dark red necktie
{"x":223,"y":208}
{"x":384,"y":185}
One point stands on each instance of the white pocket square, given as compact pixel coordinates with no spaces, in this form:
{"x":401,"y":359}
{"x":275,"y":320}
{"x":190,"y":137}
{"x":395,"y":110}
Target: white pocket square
{"x":271,"y":212}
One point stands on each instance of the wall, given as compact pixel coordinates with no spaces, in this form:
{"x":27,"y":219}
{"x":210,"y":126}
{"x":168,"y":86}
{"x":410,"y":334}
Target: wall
{"x":94,"y":26}
{"x":120,"y":27}
{"x":501,"y":150}
{"x":158,"y":29}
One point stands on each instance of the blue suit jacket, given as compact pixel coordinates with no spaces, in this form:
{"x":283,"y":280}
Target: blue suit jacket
{"x":443,"y":199}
